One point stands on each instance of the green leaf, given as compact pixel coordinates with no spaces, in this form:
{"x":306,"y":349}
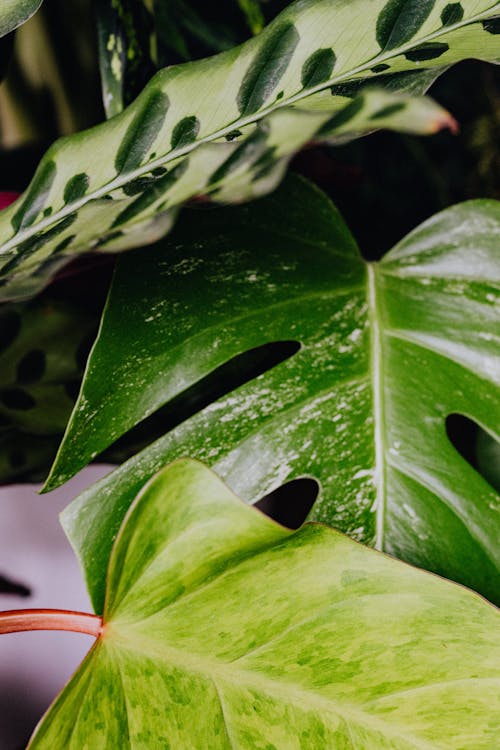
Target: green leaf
{"x":138,"y":38}
{"x":124,"y":32}
{"x":224,"y":630}
{"x":387,"y":351}
{"x":488,"y":458}
{"x":253,"y":14}
{"x":252,"y":112}
{"x":43,"y":345}
{"x":13,"y":13}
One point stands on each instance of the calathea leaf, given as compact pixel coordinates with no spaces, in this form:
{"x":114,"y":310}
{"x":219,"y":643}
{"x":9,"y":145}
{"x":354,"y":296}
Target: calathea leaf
{"x":13,"y":13}
{"x":138,"y":38}
{"x":43,"y":346}
{"x":125,"y":31}
{"x":378,"y":356}
{"x":225,"y":630}
{"x":224,"y":127}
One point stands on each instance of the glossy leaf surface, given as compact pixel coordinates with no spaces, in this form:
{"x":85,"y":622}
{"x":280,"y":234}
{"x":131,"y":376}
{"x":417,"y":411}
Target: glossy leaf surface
{"x":13,"y":13}
{"x":225,"y":127}
{"x":224,"y":630}
{"x":387,"y":351}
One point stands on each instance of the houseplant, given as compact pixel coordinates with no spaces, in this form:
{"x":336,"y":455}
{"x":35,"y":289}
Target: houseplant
{"x":276,"y":354}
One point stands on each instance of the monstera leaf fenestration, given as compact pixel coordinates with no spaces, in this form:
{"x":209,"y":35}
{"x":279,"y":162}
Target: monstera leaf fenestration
{"x":224,"y":630}
{"x":225,"y":127}
{"x":381,"y":355}
{"x":13,"y":13}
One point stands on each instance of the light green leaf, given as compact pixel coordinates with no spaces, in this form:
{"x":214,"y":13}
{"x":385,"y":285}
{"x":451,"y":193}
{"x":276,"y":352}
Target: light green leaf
{"x":387,"y":351}
{"x":13,"y":13}
{"x":253,"y":106}
{"x":138,"y":38}
{"x":223,"y":630}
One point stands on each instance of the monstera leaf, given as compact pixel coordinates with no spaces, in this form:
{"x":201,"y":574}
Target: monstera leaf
{"x":43,"y":347}
{"x":13,"y":13}
{"x":224,"y":630}
{"x":225,"y":127}
{"x":370,"y":360}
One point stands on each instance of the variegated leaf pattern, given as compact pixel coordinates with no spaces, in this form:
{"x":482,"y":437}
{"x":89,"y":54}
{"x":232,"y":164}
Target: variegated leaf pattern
{"x":225,"y":631}
{"x":13,"y":13}
{"x":225,"y":127}
{"x":43,"y":348}
{"x":125,"y":31}
{"x":138,"y":38}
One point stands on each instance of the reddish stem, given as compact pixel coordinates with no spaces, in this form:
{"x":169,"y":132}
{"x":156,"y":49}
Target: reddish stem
{"x":18,"y":620}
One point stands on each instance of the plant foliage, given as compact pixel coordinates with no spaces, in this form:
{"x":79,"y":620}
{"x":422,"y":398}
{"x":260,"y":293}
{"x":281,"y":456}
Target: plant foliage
{"x":226,"y":127}
{"x":13,"y":13}
{"x":384,"y":353}
{"x":340,"y":646}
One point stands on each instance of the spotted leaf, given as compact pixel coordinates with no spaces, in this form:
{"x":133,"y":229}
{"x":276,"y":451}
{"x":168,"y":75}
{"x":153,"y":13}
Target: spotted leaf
{"x":43,"y":346}
{"x":13,"y":13}
{"x":290,"y":83}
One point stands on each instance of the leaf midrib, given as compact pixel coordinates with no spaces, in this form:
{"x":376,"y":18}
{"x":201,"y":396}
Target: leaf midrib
{"x":377,"y":382}
{"x":239,"y":123}
{"x":213,"y":668}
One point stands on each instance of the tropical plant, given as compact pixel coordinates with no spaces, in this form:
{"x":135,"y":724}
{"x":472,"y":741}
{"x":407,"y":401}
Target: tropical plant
{"x":255,"y":338}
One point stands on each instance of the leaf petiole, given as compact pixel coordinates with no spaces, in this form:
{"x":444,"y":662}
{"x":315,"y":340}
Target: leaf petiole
{"x":19,"y":620}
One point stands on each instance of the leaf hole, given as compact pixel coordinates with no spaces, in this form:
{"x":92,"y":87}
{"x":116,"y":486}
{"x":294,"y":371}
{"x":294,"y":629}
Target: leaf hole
{"x":477,"y":446}
{"x":226,"y":378}
{"x":291,"y":503}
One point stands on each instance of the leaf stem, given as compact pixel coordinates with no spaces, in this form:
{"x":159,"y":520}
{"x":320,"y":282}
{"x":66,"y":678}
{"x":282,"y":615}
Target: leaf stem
{"x":19,"y":620}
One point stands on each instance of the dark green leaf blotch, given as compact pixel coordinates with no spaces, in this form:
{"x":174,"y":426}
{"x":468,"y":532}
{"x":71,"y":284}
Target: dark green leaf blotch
{"x":36,"y":196}
{"x":76,"y":187}
{"x":185,"y":132}
{"x":139,"y":185}
{"x":30,"y":246}
{"x":267,"y":68}
{"x":492,"y":26}
{"x":430,"y":51}
{"x":390,"y":109}
{"x":10,"y":325}
{"x":142,"y":132}
{"x":151,"y":194}
{"x":452,"y":13}
{"x":345,"y":115}
{"x":400,"y":20}
{"x":17,"y":399}
{"x":245,"y":153}
{"x":318,"y":67}
{"x":59,"y":248}
{"x":31,"y":367}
